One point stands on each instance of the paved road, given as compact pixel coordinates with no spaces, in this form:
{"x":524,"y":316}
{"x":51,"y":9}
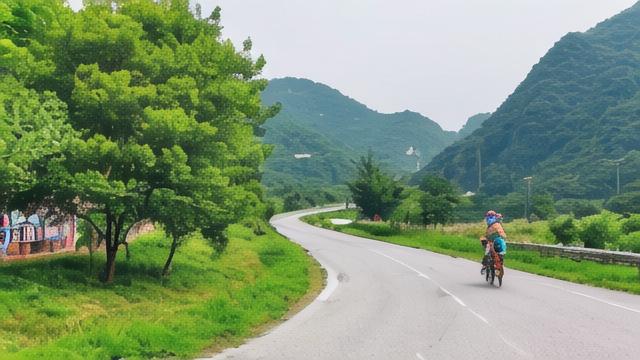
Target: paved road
{"x":384,"y":301}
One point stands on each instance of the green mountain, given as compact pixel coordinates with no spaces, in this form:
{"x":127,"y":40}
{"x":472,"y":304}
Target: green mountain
{"x":473,"y":123}
{"x":577,"y":109}
{"x":334,"y":129}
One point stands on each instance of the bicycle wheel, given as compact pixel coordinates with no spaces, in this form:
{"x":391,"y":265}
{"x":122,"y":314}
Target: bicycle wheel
{"x":486,"y":273}
{"x":492,"y":277}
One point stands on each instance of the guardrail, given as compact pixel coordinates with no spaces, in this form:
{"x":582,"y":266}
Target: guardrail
{"x":579,"y":254}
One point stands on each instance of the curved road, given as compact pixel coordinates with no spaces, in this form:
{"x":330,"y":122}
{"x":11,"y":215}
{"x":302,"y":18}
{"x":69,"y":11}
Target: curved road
{"x":384,"y":301}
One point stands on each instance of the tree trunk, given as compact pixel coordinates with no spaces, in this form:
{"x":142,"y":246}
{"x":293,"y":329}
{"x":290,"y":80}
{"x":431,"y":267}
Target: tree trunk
{"x":110,"y":266}
{"x":167,"y":265}
{"x":126,"y":248}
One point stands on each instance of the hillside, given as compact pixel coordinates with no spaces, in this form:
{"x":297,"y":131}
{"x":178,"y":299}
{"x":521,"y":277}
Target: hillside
{"x":335,"y":129}
{"x":576,"y":109}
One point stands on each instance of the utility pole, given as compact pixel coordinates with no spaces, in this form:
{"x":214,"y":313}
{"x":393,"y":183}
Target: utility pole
{"x":528,"y":179}
{"x":479,"y":159}
{"x":617,"y":163}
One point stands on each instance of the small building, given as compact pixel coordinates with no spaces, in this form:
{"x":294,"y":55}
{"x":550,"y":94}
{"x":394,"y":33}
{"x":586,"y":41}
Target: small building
{"x":21,"y":236}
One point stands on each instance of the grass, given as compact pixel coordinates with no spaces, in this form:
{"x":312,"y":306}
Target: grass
{"x":53,"y":308}
{"x":616,"y":277}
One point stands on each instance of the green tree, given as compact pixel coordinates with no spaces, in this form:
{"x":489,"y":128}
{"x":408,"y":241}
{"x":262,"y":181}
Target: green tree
{"x":373,"y":191}
{"x":167,"y":113}
{"x":438,"y":201}
{"x":598,"y":230}
{"x":542,"y":206}
{"x":32,"y":127}
{"x":624,"y":203}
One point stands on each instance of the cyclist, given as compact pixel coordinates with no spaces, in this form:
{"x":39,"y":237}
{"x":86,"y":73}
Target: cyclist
{"x":496,"y":234}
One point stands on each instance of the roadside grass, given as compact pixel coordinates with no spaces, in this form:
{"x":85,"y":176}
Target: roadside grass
{"x":616,"y":277}
{"x":54,"y":308}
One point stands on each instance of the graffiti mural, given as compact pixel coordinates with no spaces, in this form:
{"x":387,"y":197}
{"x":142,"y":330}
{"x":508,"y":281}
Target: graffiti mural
{"x":22,"y":236}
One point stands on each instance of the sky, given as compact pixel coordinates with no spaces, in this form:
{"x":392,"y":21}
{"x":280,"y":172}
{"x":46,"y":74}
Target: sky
{"x":446,"y":59}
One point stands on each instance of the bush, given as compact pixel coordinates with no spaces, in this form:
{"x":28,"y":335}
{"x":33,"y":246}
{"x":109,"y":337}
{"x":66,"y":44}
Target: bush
{"x":630,"y":242}
{"x":578,"y":207}
{"x":564,"y":229}
{"x":596,"y":230}
{"x":632,"y":224}
{"x":624,"y":203}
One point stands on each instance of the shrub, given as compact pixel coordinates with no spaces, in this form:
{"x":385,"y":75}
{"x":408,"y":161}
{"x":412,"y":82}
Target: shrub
{"x":564,"y":229}
{"x":596,"y":230}
{"x":630,"y":242}
{"x":624,"y":203}
{"x":578,"y":207}
{"x":632,"y":224}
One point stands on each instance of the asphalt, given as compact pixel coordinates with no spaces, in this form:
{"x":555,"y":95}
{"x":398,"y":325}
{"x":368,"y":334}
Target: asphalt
{"x":384,"y":301}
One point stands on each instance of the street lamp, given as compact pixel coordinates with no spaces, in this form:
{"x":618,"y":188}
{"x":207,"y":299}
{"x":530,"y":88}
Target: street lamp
{"x":528,"y":179}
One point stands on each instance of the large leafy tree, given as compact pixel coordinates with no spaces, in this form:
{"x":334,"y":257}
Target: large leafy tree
{"x":438,"y":201}
{"x":167,"y":113}
{"x":375,"y":192}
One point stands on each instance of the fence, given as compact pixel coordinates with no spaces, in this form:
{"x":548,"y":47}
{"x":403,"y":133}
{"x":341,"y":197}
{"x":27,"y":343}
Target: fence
{"x":579,"y":254}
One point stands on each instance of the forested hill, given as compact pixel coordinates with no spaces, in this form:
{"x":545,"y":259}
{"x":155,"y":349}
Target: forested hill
{"x":334,"y":129}
{"x":578,"y":107}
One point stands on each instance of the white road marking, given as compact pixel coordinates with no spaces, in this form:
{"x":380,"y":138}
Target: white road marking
{"x":479,"y":316}
{"x":515,"y":347}
{"x":332,"y":284}
{"x":605,"y":302}
{"x":401,"y":263}
{"x":591,"y":297}
{"x":419,"y":356}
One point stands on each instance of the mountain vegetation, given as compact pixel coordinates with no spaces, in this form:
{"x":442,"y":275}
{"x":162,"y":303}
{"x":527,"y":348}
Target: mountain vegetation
{"x":575,"y":112}
{"x":330,"y":130}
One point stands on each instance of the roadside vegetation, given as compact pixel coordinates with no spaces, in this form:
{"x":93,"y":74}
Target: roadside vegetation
{"x":54,"y":309}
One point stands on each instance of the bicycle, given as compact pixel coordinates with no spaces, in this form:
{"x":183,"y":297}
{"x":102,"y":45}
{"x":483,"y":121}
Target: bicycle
{"x":494,"y":266}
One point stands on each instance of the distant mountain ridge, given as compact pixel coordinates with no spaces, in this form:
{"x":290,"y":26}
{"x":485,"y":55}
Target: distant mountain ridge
{"x":335,"y":129}
{"x":577,"y":109}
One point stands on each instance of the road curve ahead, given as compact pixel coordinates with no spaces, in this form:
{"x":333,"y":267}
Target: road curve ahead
{"x":384,"y":301}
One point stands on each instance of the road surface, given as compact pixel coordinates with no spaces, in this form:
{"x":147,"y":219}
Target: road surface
{"x":384,"y":301}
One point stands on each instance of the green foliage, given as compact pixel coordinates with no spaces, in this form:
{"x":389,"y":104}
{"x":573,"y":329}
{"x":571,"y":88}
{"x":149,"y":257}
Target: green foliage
{"x":542,"y":206}
{"x":630,"y":242}
{"x":438,"y":201}
{"x":564,"y":229}
{"x":631,"y":224}
{"x":165,"y":113}
{"x":597,"y":230}
{"x":374,"y":191}
{"x":624,"y":203}
{"x":320,"y":121}
{"x":32,"y":127}
{"x":578,"y":207}
{"x":409,"y":211}
{"x":210,"y":300}
{"x":576,"y":109}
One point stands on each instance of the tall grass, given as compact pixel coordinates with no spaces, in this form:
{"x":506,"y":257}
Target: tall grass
{"x":54,"y":309}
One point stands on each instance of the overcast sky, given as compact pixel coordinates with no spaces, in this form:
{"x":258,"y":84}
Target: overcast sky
{"x":447,"y":59}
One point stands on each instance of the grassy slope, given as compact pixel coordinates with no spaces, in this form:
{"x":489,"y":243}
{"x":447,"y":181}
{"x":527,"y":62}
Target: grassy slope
{"x":54,"y":309}
{"x":617,"y":277}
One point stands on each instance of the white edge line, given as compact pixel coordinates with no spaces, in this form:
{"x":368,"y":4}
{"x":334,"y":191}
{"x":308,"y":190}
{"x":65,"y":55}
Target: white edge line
{"x":332,"y":284}
{"x":419,"y":356}
{"x":479,"y":316}
{"x":605,"y":302}
{"x":513,"y":346}
{"x":591,"y":297}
